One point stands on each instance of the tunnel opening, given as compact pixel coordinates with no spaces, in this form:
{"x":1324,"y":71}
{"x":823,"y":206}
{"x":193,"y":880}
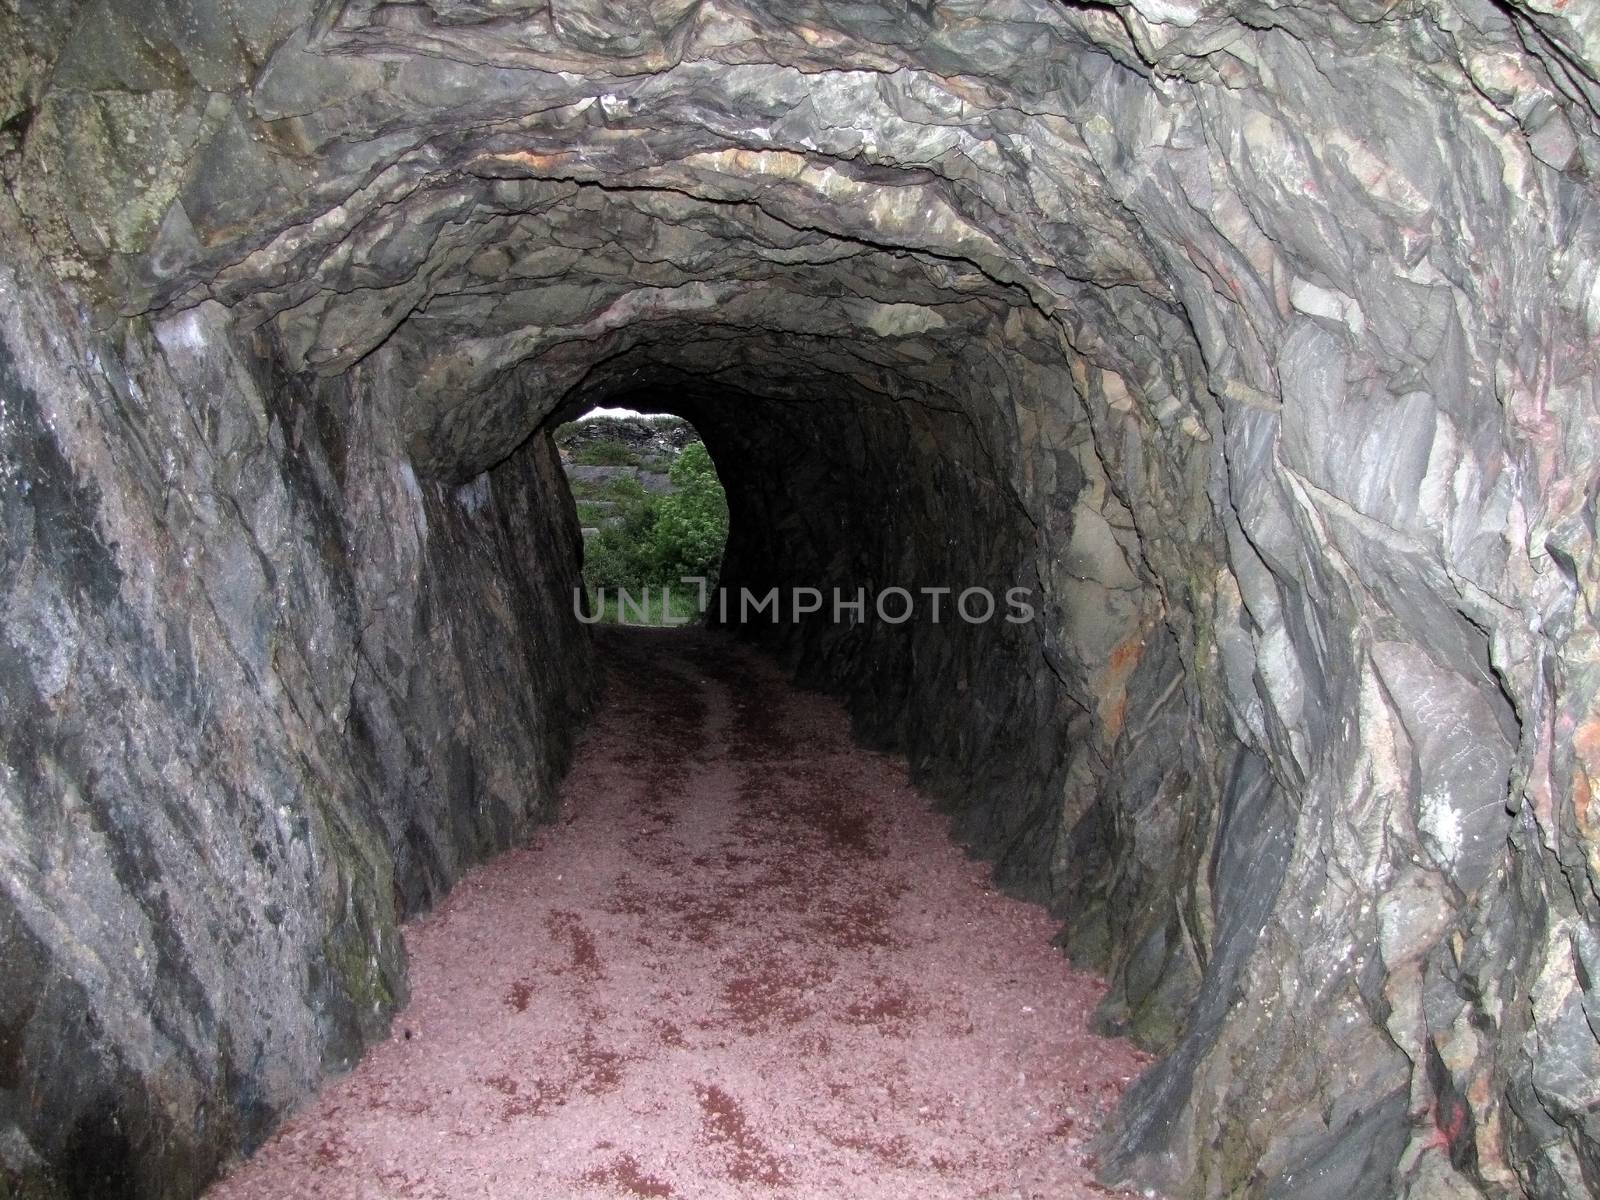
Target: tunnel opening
{"x":652,"y":512}
{"x":877,"y":547}
{"x":1256,"y":344}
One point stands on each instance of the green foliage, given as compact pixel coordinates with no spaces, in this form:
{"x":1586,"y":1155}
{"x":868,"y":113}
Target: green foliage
{"x":691,"y":526}
{"x":592,"y":512}
{"x":618,"y":556}
{"x":606,"y":454}
{"x":619,"y":489}
{"x":683,"y":601}
{"x":658,"y":540}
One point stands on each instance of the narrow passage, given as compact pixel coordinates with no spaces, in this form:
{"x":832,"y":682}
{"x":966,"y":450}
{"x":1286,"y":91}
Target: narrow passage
{"x":747,"y":961}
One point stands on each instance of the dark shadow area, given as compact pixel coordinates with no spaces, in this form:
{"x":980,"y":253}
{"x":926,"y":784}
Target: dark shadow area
{"x":857,"y":522}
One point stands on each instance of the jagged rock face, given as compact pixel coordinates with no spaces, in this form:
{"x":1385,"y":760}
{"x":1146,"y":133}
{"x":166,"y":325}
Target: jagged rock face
{"x":265,"y":693}
{"x":1259,"y":340}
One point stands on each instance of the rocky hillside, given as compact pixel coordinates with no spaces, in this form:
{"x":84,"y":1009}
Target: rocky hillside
{"x":654,"y":439}
{"x":610,"y":460}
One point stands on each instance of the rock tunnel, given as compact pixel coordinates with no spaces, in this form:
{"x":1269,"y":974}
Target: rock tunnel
{"x":1258,"y":340}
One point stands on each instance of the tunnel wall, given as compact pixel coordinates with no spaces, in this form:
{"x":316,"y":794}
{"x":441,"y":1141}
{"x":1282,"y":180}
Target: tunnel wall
{"x":264,"y":694}
{"x":855,"y":495}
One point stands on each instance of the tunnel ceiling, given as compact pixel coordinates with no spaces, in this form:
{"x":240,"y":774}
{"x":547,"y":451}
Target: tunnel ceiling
{"x":509,"y":193}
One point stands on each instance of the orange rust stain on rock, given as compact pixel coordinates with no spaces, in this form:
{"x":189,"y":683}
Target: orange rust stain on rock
{"x":1120,"y":663}
{"x":1126,"y":653}
{"x":1116,"y":713}
{"x":1586,"y":748}
{"x":783,"y":163}
{"x":526,"y":158}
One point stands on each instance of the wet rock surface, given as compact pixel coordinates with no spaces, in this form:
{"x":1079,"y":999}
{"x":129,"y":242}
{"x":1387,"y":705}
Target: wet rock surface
{"x":1258,"y":341}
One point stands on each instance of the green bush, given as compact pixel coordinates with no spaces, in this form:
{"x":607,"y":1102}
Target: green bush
{"x":623,"y":489}
{"x":691,"y":525}
{"x":618,"y":556}
{"x":651,"y":609}
{"x":606,"y":454}
{"x":657,"y":540}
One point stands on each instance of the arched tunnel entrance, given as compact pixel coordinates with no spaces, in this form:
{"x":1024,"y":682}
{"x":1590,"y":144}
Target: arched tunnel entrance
{"x":653,"y":514}
{"x":1255,"y":343}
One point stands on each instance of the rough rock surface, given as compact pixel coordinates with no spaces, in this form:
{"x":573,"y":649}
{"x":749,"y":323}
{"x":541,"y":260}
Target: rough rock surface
{"x":1259,"y":339}
{"x":264,"y":693}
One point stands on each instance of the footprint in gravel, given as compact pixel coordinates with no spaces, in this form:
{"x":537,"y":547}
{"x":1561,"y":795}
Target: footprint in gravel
{"x":519,"y":996}
{"x":624,"y":1172}
{"x":723,"y":1122}
{"x":600,"y":1069}
{"x":585,"y":964}
{"x":770,"y":990}
{"x":524,"y":1099}
{"x":889,"y":1006}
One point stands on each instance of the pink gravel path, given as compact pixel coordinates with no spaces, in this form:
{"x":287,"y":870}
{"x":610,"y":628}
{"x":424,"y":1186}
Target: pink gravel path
{"x":747,"y":962}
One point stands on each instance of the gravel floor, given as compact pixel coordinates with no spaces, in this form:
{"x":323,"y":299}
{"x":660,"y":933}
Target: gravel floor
{"x":746,"y":962}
